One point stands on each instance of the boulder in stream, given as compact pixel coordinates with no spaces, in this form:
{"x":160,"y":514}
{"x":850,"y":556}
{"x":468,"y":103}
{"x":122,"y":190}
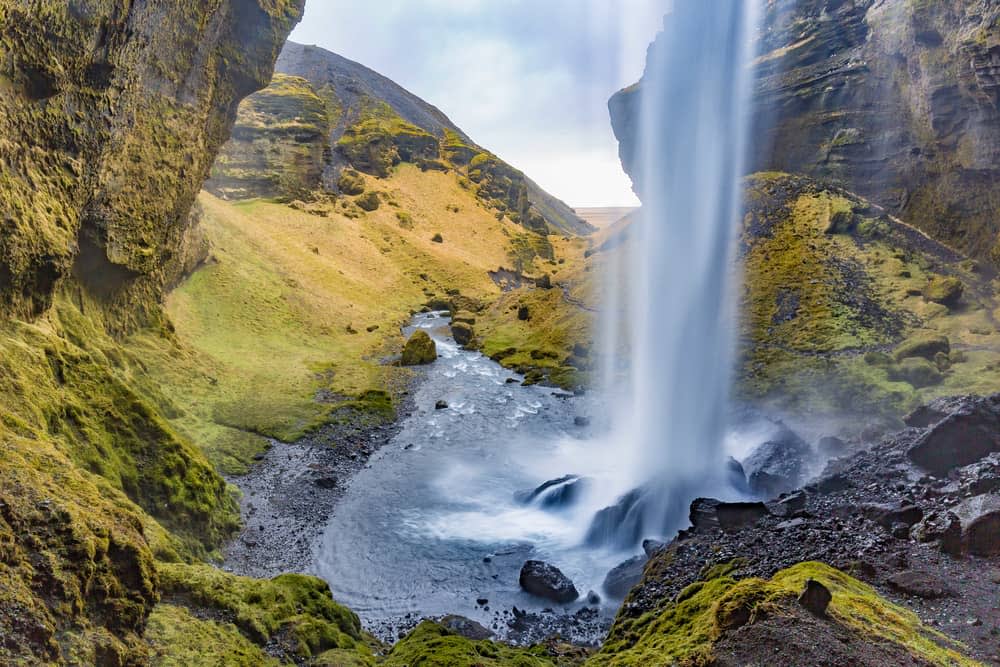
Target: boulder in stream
{"x":555,"y":493}
{"x":420,"y":350}
{"x":547,"y":581}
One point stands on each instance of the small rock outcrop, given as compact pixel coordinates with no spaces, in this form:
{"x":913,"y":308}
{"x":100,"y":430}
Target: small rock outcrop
{"x":463,"y":333}
{"x":778,"y":465}
{"x":980,"y":522}
{"x":711,"y":514}
{"x":945,"y":290}
{"x":815,"y":598}
{"x":419,"y":350}
{"x":547,"y":581}
{"x":554,"y":494}
{"x":624,"y":576}
{"x":967,"y":433}
{"x":919,"y":584}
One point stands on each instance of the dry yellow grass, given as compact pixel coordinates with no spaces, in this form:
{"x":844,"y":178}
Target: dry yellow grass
{"x":273,"y":334}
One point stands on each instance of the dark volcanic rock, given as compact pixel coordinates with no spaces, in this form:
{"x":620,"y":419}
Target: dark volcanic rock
{"x":650,"y":547}
{"x":547,"y":581}
{"x":708,"y":513}
{"x":889,"y":514}
{"x":778,"y":465}
{"x":919,"y":584}
{"x":969,"y":432}
{"x":980,"y":521}
{"x":466,"y":627}
{"x":624,"y":576}
{"x":462,"y":333}
{"x":816,"y":597}
{"x":554,"y":494}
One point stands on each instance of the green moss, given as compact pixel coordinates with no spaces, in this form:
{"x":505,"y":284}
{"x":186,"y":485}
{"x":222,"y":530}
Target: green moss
{"x":922,"y":344}
{"x":351,"y":183}
{"x":381,"y":139}
{"x":946,"y":290}
{"x":685,"y":630}
{"x":432,"y":645}
{"x":368,"y":202}
{"x":293,"y":610}
{"x":917,"y":372}
{"x":72,"y":384}
{"x":178,"y":639}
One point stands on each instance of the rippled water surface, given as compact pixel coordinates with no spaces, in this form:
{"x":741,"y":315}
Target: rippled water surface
{"x":431,"y":525}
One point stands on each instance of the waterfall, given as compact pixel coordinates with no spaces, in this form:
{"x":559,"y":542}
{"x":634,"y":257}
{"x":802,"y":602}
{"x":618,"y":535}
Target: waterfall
{"x":669,"y":423}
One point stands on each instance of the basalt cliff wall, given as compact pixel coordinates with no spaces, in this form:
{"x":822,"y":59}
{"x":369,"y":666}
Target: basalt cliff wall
{"x":898,"y":101}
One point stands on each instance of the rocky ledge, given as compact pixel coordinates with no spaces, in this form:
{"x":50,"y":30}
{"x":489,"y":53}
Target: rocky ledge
{"x":916,"y":516}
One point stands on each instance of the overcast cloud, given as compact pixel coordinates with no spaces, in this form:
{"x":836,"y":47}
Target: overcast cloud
{"x":527,"y":79}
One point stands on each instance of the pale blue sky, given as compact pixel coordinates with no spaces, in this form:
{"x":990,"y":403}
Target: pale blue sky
{"x":527,"y":79}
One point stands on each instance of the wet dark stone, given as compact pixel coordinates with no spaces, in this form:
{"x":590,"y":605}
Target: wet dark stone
{"x":778,"y":465}
{"x":624,"y":576}
{"x":547,"y":581}
{"x":710,"y":514}
{"x":554,"y":494}
{"x":969,"y":431}
{"x":815,"y":598}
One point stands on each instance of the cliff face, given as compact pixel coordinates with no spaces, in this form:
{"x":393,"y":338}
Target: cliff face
{"x":110,"y":118}
{"x":898,"y":101}
{"x":371,"y":125}
{"x":111,"y":112}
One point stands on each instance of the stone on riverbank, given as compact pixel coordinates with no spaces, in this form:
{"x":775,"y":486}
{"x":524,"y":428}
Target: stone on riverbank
{"x":547,"y":581}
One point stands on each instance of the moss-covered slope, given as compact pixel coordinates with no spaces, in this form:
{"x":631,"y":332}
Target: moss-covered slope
{"x":372,"y":125}
{"x":703,"y":624}
{"x":837,"y":296}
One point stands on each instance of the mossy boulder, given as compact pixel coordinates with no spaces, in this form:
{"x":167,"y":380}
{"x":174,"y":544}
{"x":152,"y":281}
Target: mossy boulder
{"x":463,"y":333}
{"x":917,"y":371}
{"x":419,"y":350}
{"x":369,"y":201}
{"x":923,"y":345}
{"x":351,"y":183}
{"x":945,"y":290}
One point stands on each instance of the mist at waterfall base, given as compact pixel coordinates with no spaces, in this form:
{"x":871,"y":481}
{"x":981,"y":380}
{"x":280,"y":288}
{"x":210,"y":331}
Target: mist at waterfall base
{"x":445,"y":515}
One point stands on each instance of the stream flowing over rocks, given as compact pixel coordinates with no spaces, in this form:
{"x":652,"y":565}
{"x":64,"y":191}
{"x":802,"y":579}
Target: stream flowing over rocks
{"x":445,"y":515}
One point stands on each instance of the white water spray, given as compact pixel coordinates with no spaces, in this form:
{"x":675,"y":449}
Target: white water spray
{"x":679,"y":339}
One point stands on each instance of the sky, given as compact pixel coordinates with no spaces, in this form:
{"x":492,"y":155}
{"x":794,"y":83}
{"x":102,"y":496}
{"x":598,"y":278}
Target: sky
{"x":526,"y":79}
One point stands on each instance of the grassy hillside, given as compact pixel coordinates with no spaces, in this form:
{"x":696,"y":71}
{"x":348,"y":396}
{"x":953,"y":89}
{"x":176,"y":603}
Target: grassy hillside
{"x":299,"y":308}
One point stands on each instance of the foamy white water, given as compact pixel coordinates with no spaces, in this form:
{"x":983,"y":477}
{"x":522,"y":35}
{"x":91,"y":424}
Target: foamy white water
{"x":669,"y":422}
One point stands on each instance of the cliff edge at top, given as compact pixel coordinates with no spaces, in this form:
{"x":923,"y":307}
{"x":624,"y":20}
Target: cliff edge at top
{"x":110,"y":119}
{"x":898,"y":101}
